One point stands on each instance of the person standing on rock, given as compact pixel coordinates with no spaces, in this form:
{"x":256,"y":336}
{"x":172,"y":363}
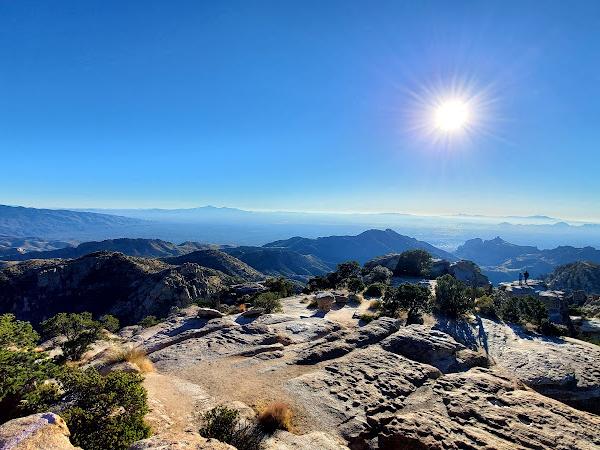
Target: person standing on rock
{"x":520,"y":279}
{"x":526,"y":275}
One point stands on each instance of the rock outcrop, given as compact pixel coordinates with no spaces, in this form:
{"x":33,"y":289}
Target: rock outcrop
{"x":130,"y":288}
{"x":482,"y":408}
{"x":43,"y":431}
{"x":561,"y":368}
{"x":422,"y":344}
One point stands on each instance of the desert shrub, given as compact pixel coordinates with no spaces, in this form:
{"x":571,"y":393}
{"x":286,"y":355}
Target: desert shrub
{"x":551,"y":329}
{"x":16,"y":332}
{"x":104,"y":411}
{"x":110,"y":322}
{"x":318,"y":283}
{"x":270,"y":301}
{"x":534,"y":310}
{"x":412,"y":298}
{"x":368,"y":317}
{"x":275,"y":416}
{"x":452,"y":296}
{"x":79,"y":329}
{"x":376,"y":305}
{"x":375,"y":290}
{"x":355,"y":285}
{"x":348,"y":269}
{"x":148,"y":321}
{"x":379,"y":274}
{"x":23,"y":371}
{"x":520,"y":310}
{"x":486,"y":306}
{"x":224,"y":424}
{"x":413,"y":263}
{"x":281,"y":286}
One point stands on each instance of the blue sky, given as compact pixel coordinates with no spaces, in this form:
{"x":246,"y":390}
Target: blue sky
{"x":300,"y":105}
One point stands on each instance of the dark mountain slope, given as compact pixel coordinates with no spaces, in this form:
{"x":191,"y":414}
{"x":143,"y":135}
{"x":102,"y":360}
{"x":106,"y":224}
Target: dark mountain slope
{"x":103,"y":282}
{"x":366,"y":245}
{"x":582,"y":275}
{"x":218,"y":260}
{"x":148,"y":248}
{"x":280,"y":261}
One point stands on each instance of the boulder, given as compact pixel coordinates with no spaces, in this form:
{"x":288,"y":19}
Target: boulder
{"x":180,"y":441}
{"x":43,"y":431}
{"x":209,"y":313}
{"x":325,"y":301}
{"x":284,"y":440}
{"x":433,"y":347}
{"x":468,"y":272}
{"x":253,"y":312}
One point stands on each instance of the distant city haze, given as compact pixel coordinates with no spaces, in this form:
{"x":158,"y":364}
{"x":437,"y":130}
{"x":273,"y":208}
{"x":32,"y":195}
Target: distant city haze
{"x":319,"y":106}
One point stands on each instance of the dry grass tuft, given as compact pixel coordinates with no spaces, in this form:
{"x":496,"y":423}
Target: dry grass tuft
{"x":134,"y":355}
{"x":275,"y":416}
{"x":138,"y":357}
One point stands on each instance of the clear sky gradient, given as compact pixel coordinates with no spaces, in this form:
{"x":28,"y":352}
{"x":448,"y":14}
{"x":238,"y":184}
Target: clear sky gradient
{"x":300,"y":105}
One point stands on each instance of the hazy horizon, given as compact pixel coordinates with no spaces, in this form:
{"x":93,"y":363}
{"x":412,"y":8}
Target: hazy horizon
{"x":153,"y":104}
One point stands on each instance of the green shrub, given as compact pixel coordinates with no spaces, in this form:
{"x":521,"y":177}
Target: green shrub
{"x":379,"y":274}
{"x":486,"y":306}
{"x":16,"y":332}
{"x":412,"y":298}
{"x":23,"y":371}
{"x":224,"y":424}
{"x":79,"y":329}
{"x":355,"y":285}
{"x":525,"y":310}
{"x":105,"y":412}
{"x":110,"y":322}
{"x":148,"y":321}
{"x":270,"y":301}
{"x":413,"y":263}
{"x":375,"y":290}
{"x":452,"y":296}
{"x":281,"y":286}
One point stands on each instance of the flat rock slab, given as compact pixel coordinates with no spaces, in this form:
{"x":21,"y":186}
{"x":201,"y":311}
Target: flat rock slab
{"x":481,"y":408}
{"x":565,"y":369}
{"x":345,"y":393}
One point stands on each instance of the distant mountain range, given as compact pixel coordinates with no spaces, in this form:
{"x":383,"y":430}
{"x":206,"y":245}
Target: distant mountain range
{"x":55,"y":224}
{"x":365,"y":246}
{"x":298,"y":258}
{"x":234,"y":227}
{"x":502,"y":261}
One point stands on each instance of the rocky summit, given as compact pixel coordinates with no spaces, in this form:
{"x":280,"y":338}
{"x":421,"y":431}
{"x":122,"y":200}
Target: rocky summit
{"x":380,"y":385}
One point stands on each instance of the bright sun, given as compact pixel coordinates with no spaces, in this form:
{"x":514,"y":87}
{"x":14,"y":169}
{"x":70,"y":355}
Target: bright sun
{"x":451,"y":115}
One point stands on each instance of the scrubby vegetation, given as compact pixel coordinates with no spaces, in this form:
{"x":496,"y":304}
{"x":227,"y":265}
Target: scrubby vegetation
{"x":377,"y":274}
{"x":375,"y":290}
{"x":412,"y":298}
{"x":413,"y":263}
{"x":148,"y":321}
{"x":78,"y":329}
{"x":270,"y":301}
{"x":101,"y":411}
{"x":225,"y":424}
{"x":453,"y":297}
{"x":110,"y":323}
